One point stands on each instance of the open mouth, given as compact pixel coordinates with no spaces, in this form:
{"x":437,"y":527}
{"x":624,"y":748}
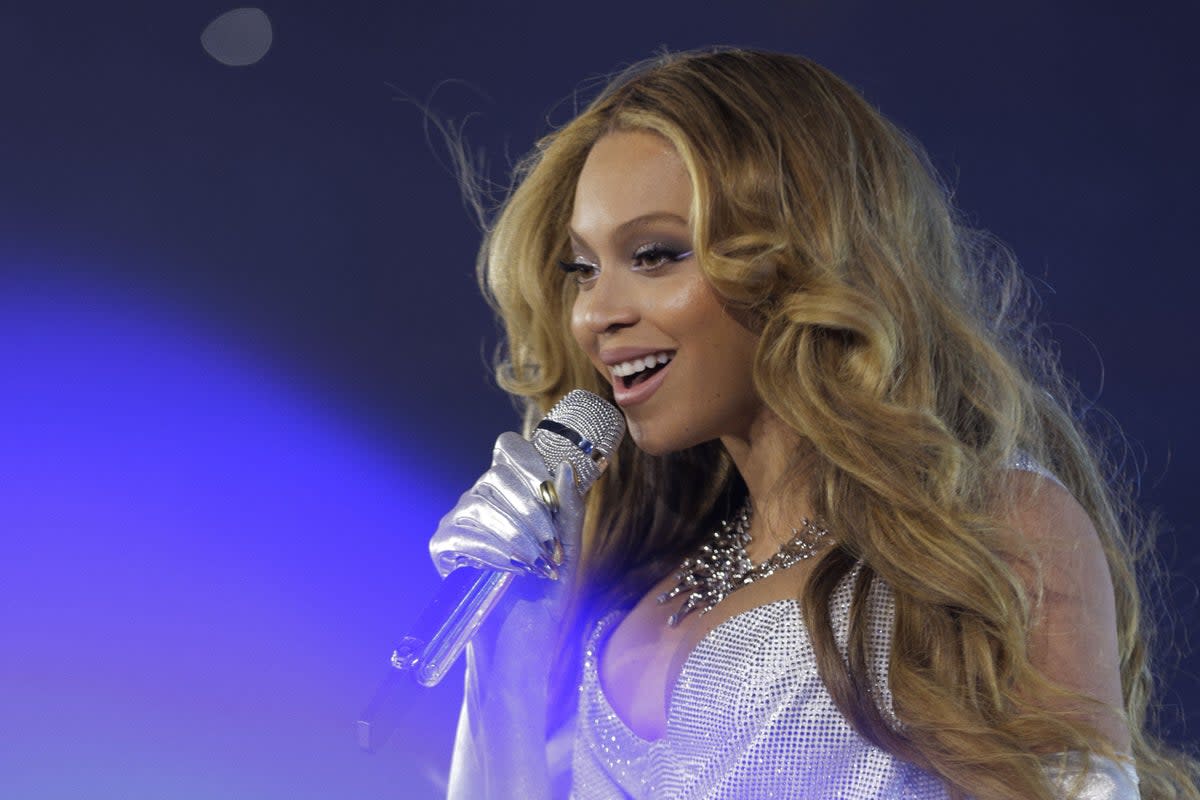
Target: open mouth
{"x":639,"y":377}
{"x":639,"y":370}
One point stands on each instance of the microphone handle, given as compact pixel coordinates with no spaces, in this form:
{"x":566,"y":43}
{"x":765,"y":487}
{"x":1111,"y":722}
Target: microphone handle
{"x":465,"y":598}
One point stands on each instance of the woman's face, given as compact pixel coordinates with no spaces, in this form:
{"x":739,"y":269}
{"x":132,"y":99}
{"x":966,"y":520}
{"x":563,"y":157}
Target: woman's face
{"x":679,"y":364}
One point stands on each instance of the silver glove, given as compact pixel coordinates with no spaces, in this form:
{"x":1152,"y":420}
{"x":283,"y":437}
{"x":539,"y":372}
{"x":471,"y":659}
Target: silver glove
{"x":517,"y":517}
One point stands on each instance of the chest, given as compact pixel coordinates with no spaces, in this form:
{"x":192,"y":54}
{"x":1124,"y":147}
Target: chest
{"x":749,"y":714}
{"x":640,"y":663}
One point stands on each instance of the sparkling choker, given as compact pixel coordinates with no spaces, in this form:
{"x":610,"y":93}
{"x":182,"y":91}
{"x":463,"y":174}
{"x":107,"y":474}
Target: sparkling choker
{"x":722,"y":565}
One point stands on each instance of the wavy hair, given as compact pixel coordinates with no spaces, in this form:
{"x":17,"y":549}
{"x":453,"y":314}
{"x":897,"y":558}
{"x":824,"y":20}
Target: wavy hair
{"x":894,"y":342}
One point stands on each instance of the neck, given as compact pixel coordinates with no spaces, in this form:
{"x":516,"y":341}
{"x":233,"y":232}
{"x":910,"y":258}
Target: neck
{"x":769,"y":459}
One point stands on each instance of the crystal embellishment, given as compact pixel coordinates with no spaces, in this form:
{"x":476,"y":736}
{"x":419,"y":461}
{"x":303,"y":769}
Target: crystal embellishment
{"x":722,"y":565}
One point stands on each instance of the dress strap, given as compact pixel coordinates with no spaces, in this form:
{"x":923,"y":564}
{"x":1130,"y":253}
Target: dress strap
{"x":1105,"y":779}
{"x":1026,"y":463}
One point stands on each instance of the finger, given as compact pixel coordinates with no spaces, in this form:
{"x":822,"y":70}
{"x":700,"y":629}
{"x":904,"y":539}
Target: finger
{"x":462,"y":541}
{"x":487,"y":523}
{"x":569,"y":521}
{"x":505,"y":488}
{"x":518,"y":452}
{"x":496,"y":530}
{"x":567,"y":487}
{"x":548,"y":491}
{"x":504,"y":507}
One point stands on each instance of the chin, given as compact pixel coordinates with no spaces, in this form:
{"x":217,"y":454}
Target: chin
{"x":656,"y":441}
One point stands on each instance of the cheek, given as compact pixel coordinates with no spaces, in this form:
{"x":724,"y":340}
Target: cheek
{"x":689,"y":301}
{"x":693,"y":309}
{"x":579,"y":330}
{"x":727,"y":346}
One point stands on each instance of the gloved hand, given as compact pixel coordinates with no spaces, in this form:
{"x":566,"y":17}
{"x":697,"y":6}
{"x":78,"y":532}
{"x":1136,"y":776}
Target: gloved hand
{"x":502,"y":522}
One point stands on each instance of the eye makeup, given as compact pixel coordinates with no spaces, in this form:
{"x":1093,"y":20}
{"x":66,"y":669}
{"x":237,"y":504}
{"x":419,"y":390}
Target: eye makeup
{"x":579,"y":271}
{"x":658,"y":254}
{"x":645,"y":258}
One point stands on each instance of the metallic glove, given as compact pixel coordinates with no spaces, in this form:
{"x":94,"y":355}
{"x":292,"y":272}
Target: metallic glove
{"x":517,"y":517}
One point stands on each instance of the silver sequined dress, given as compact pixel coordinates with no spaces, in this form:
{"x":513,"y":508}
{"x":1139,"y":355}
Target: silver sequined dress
{"x":750,"y":718}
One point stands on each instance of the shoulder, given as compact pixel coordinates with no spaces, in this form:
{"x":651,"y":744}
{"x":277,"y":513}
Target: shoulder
{"x":1073,"y":623}
{"x":1051,"y":523}
{"x":1058,"y":551}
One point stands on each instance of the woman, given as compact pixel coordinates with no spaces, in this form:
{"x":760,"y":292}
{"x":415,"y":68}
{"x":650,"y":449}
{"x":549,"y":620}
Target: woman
{"x":925,"y":587}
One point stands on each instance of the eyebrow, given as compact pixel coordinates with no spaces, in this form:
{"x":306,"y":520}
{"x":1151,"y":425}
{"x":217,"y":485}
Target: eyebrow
{"x":636,"y":222}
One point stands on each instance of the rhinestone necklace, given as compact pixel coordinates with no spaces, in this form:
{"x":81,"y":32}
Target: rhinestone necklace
{"x":722,"y":565}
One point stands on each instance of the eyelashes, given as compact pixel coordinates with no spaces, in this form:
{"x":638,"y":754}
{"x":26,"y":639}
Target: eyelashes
{"x":653,"y":256}
{"x":579,"y":271}
{"x":647,"y":258}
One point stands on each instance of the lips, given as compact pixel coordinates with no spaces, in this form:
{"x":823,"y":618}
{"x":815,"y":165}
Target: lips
{"x":630,"y":391}
{"x":635,"y":372}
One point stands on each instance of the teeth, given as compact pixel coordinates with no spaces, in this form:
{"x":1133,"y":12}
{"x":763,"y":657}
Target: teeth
{"x":626,"y":368}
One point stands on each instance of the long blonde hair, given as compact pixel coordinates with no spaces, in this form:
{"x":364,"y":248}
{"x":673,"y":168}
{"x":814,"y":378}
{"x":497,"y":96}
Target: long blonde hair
{"x":892,"y":341}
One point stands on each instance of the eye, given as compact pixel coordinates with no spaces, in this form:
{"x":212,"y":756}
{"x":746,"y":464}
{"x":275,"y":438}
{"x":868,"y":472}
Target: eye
{"x":580,"y":271}
{"x":650,"y":257}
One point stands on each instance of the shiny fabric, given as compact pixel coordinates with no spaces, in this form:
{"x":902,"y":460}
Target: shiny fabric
{"x":502,"y":523}
{"x":1106,"y":780}
{"x":750,"y":718}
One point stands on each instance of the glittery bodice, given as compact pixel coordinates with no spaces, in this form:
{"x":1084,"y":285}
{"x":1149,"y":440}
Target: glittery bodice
{"x":749,"y":718}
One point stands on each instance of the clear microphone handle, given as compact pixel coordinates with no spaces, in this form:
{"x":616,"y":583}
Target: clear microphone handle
{"x":466,"y":597}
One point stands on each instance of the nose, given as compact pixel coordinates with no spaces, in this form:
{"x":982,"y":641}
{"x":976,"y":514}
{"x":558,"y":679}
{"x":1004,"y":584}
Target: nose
{"x":606,"y":305}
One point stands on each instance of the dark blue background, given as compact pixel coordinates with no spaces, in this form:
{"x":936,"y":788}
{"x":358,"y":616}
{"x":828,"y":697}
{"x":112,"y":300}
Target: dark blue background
{"x":244,"y":356}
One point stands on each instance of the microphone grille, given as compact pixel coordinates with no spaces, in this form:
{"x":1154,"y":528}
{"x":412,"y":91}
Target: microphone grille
{"x":582,"y":429}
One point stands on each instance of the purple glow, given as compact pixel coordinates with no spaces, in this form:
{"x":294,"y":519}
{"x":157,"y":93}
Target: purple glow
{"x":203,"y":572}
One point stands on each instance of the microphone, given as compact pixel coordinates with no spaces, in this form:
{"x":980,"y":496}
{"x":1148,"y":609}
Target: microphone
{"x":583,"y":430}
